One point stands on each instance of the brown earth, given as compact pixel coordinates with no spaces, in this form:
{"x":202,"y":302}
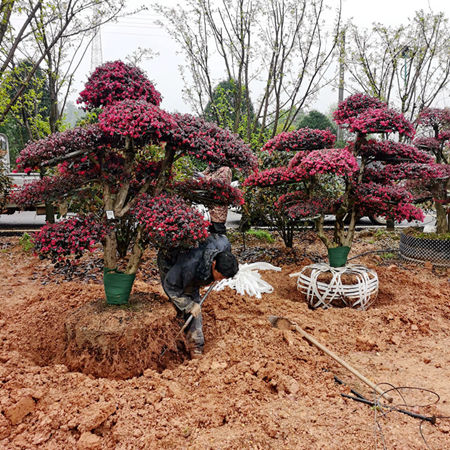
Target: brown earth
{"x":255,"y":387}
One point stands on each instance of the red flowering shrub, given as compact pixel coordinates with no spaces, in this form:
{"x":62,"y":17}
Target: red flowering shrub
{"x":303,"y":139}
{"x":115,"y":81}
{"x":69,"y":239}
{"x":354,"y":105}
{"x":209,"y":192}
{"x":208,"y":142}
{"x":361,"y":179}
{"x":381,"y":121}
{"x":168,"y":221}
{"x":125,"y":164}
{"x":438,"y":120}
{"x":136,"y":119}
{"x":81,"y":139}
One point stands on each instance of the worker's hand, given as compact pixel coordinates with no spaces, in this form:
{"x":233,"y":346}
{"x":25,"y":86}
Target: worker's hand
{"x":196,"y":310}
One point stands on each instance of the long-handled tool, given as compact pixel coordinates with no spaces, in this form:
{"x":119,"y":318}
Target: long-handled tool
{"x":189,"y":319}
{"x":285,"y":324}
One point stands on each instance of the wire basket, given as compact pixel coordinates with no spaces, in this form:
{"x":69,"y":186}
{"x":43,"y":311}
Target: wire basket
{"x":325,"y":286}
{"x":421,"y":250}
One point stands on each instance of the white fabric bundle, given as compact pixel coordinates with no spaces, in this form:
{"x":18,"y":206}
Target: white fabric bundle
{"x":248,"y":281}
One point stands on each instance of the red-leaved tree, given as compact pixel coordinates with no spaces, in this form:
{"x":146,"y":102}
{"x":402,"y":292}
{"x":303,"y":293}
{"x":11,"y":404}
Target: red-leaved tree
{"x":130,"y":198}
{"x":364,"y":178}
{"x":437,"y":120}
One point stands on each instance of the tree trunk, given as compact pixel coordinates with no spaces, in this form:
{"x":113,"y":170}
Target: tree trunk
{"x":390,"y":225}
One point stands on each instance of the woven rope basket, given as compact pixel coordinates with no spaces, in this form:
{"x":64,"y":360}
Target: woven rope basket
{"x":360,"y":293}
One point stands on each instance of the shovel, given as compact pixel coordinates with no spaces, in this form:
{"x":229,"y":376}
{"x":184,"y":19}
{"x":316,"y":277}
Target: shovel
{"x":189,"y":319}
{"x":285,"y":324}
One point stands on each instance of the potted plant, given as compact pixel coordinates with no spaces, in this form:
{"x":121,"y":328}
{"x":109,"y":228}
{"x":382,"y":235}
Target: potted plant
{"x":363,"y":179}
{"x":120,"y":170}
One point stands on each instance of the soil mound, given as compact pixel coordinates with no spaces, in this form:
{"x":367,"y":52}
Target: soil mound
{"x":122,"y":341}
{"x":255,"y":386}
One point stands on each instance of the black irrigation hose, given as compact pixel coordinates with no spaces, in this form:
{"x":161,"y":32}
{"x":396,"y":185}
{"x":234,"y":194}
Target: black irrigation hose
{"x":360,"y":398}
{"x":431,"y":419}
{"x":386,"y":250}
{"x":339,"y":381}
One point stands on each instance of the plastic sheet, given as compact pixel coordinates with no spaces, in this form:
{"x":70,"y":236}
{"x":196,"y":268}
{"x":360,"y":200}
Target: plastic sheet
{"x":248,"y":281}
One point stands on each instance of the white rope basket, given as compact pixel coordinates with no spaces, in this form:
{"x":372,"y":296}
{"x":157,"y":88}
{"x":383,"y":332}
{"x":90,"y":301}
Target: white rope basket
{"x":360,"y":294}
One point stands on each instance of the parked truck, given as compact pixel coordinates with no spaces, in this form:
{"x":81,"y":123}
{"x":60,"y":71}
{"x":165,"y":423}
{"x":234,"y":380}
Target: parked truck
{"x":15,"y":179}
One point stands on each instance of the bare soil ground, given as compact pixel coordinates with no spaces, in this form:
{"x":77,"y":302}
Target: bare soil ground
{"x":255,"y":387}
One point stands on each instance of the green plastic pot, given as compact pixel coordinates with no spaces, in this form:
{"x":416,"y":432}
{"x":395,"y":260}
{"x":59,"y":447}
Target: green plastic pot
{"x":118,"y":286}
{"x":337,"y":256}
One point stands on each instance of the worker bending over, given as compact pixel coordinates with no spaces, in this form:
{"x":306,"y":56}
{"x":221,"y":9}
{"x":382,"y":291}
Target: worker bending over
{"x":184,"y":272}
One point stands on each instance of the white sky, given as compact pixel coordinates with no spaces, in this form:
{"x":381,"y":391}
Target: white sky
{"x":123,"y":38}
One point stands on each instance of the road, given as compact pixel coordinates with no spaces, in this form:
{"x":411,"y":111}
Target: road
{"x":29,"y":219}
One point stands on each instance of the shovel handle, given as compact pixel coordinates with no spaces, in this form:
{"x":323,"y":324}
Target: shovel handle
{"x":189,"y":319}
{"x":355,"y":372}
{"x":285,"y":324}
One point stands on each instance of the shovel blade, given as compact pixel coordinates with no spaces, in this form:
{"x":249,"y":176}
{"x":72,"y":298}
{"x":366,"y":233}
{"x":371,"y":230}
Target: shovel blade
{"x":281,"y":323}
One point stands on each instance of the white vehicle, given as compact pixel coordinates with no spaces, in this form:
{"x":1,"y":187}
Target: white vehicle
{"x":16,"y":179}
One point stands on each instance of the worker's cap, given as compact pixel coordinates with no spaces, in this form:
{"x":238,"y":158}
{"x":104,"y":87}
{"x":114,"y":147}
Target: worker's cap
{"x":226,"y":264}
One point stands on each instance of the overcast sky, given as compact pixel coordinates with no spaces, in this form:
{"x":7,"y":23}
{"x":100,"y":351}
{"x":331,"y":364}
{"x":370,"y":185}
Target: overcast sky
{"x":123,"y":38}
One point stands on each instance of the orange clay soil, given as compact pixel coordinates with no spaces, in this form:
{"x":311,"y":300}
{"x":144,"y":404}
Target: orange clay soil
{"x":255,"y":387}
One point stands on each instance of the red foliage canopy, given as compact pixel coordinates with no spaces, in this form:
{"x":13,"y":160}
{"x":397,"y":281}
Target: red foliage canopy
{"x":391,"y":201}
{"x":435,"y":117}
{"x":115,"y":81}
{"x":303,"y":139}
{"x":391,"y":151}
{"x":80,"y":139}
{"x":137,"y":119}
{"x":168,"y":221}
{"x":355,"y":105}
{"x":210,"y":143}
{"x":69,"y":238}
{"x":209,"y":192}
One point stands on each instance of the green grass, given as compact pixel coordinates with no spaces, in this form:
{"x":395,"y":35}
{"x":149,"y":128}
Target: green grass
{"x":26,"y":241}
{"x":261,"y":235}
{"x":388,"y":255}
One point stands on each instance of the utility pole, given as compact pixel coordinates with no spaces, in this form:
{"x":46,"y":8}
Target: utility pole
{"x":339,"y":136}
{"x":96,"y":50}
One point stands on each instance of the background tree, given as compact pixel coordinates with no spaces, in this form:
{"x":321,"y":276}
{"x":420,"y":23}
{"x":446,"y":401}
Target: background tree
{"x":28,"y":118}
{"x":221,"y":109}
{"x":405,"y":66}
{"x":316,"y":120}
{"x":368,"y":171}
{"x":111,"y":164}
{"x":51,"y":25}
{"x":278,"y":51}
{"x":437,"y":121}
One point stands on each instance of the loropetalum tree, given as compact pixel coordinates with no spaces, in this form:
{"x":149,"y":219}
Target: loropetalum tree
{"x":262,"y":201}
{"x":437,"y":120}
{"x":110,"y":164}
{"x":365,"y":177}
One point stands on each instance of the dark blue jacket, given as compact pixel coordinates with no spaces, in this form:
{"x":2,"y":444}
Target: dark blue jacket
{"x":182,"y":274}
